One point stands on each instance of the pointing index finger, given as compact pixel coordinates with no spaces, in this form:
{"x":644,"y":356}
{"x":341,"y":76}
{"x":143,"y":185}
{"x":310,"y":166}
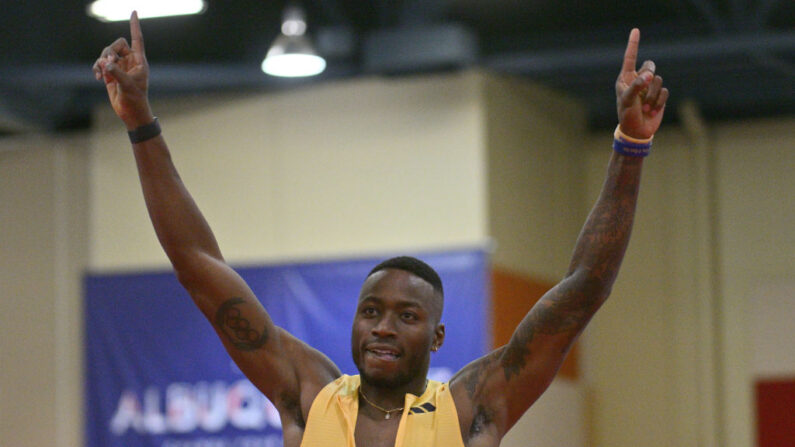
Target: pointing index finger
{"x":631,"y":53}
{"x":136,"y":35}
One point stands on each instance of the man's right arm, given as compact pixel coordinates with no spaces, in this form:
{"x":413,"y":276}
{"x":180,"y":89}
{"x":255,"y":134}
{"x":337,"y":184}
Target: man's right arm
{"x":286,"y":370}
{"x":263,"y":351}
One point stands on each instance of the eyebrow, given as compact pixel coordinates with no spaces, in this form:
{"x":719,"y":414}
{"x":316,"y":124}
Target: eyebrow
{"x":403,"y":303}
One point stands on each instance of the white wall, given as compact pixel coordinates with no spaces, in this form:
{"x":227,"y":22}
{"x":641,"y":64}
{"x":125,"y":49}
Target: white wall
{"x":756,"y":212}
{"x":641,"y":352}
{"x":558,"y":418}
{"x":43,"y":197}
{"x":669,"y":357}
{"x":532,"y":141}
{"x":772,"y":307}
{"x":337,"y":170}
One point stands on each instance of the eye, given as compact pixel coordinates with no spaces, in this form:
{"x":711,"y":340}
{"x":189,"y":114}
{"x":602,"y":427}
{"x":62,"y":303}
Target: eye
{"x":409,"y":316}
{"x":369,"y":311}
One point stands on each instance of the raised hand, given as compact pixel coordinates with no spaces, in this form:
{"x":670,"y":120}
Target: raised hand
{"x":640,"y":96}
{"x":126,"y":74}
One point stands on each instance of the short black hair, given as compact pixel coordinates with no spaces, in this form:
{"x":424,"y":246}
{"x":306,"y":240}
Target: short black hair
{"x":414,"y":266}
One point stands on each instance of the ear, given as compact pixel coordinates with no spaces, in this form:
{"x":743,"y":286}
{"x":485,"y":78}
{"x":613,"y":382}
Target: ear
{"x":438,"y":337}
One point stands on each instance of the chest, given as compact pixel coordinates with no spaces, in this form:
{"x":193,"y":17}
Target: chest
{"x":336,"y":419}
{"x":376,"y":432}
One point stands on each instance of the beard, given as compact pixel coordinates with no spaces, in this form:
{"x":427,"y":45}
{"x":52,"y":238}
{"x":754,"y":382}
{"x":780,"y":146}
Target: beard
{"x":397,"y":380}
{"x":413,"y":366}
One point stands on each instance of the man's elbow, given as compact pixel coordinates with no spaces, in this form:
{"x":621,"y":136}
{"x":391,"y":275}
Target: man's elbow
{"x":188,"y":267}
{"x":590,"y":283}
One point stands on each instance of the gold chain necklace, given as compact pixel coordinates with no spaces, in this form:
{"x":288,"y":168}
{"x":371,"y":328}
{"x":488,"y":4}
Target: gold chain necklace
{"x":388,"y":413}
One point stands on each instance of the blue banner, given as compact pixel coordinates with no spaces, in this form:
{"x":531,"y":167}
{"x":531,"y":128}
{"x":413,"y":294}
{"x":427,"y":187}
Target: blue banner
{"x":157,"y":375}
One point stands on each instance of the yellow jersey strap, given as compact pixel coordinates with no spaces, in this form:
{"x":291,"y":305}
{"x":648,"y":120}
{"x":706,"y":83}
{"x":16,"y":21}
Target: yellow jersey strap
{"x":429,"y":420}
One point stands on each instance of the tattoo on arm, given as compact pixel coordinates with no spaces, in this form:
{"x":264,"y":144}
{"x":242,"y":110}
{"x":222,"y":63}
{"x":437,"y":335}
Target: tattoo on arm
{"x":517,"y":353}
{"x":598,"y":254}
{"x":237,"y":328}
{"x":480,"y":372}
{"x":605,"y":236}
{"x":564,"y":311}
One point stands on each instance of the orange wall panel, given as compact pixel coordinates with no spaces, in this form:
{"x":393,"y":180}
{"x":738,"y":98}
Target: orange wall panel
{"x":512,"y":295}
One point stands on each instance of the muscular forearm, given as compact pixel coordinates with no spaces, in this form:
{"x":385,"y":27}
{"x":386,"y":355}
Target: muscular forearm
{"x":179,"y":224}
{"x":604,"y":237}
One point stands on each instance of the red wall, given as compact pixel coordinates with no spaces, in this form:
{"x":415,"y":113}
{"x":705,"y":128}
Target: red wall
{"x":775,"y":411}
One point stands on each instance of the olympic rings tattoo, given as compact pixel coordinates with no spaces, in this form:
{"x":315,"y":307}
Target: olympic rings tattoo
{"x":237,"y":328}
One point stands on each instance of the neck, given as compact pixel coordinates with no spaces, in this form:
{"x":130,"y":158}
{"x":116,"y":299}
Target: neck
{"x":392,"y":397}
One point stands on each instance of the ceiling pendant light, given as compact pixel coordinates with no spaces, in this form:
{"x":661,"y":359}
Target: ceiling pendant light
{"x":292,"y":53}
{"x":116,"y":10}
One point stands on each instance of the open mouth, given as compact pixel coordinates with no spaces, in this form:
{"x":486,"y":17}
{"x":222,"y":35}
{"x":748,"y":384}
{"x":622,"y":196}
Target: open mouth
{"x":383,"y":354}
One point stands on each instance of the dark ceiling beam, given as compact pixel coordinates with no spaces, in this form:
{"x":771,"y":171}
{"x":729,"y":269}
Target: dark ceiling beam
{"x":420,"y":12}
{"x":39,"y":107}
{"x":221,"y":76}
{"x":166,"y":77}
{"x":46,"y":94}
{"x":52,"y":97}
{"x":716,"y":100}
{"x":770,"y":89}
{"x":527,"y":63}
{"x":11,"y":122}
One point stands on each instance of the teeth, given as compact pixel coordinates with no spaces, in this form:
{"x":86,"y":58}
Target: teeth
{"x":381,"y":353}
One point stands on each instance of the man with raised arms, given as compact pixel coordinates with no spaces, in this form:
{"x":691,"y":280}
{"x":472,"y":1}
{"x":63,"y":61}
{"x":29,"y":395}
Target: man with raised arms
{"x":397,"y":321}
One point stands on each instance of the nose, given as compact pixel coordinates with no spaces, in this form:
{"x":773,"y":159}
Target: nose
{"x":385,"y":327}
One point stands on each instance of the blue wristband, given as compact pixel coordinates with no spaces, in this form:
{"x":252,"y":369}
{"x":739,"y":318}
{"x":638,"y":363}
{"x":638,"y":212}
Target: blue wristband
{"x":631,"y":149}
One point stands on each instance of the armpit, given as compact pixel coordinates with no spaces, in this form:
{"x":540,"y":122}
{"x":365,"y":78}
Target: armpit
{"x":291,"y":407}
{"x":481,"y":421}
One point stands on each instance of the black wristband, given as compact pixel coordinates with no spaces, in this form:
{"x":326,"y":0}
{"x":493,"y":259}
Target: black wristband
{"x":145,"y":132}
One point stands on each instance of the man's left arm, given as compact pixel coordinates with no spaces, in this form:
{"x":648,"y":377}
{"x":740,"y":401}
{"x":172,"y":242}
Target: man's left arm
{"x":493,"y":392}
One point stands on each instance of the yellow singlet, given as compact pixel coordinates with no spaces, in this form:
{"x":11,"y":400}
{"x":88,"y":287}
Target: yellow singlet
{"x":429,"y":420}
